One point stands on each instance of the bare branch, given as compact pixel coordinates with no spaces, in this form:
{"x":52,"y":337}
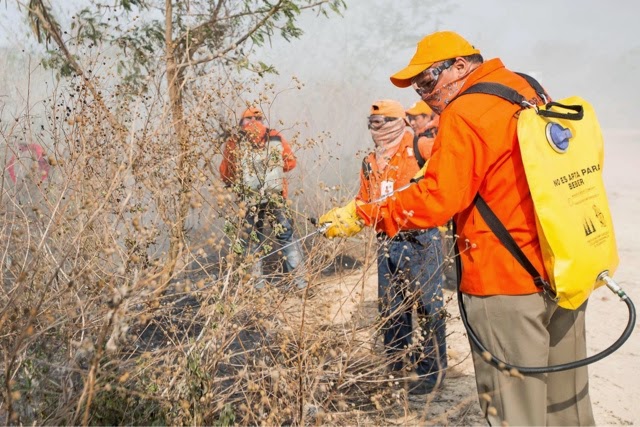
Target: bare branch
{"x":196,"y":34}
{"x":238,"y":42}
{"x":50,"y":27}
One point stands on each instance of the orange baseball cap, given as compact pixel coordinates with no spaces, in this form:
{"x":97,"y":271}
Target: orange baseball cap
{"x":418,"y":108}
{"x":252,"y":112}
{"x":387,"y":108}
{"x":431,"y":49}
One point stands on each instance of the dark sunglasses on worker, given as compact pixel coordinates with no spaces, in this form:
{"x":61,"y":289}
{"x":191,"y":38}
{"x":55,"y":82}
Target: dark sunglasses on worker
{"x":413,"y":117}
{"x":376,"y":122}
{"x":426,"y":81}
{"x":248,"y":119}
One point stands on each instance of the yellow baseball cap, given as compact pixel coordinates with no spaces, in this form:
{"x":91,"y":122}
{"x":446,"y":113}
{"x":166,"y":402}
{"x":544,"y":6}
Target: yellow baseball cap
{"x":431,"y":49}
{"x":387,"y":108}
{"x":418,"y":108}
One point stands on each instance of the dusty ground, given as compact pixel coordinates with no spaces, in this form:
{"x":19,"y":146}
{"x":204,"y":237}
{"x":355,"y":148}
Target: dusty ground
{"x":615,"y":381}
{"x":350,"y":297}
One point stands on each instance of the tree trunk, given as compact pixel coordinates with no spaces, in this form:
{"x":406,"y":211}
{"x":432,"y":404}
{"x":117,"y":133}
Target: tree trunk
{"x":183,"y":166}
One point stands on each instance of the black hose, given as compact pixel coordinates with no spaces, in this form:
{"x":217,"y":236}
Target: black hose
{"x":555,"y":368}
{"x":541,"y":369}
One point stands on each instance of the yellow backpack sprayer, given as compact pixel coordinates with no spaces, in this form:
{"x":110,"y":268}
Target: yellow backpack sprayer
{"x":562,"y":152}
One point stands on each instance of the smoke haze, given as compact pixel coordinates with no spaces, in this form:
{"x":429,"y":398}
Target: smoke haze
{"x":585,"y":48}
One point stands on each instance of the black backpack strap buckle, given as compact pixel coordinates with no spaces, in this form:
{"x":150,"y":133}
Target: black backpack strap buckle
{"x":546,"y":287}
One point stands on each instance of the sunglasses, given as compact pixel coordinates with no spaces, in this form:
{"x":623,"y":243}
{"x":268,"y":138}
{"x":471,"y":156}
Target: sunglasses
{"x":250,"y":118}
{"x":376,"y":122}
{"x":426,"y":81}
{"x":412,"y":117}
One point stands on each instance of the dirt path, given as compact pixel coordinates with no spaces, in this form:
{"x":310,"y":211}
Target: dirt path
{"x":352,"y":297}
{"x":614,"y":381}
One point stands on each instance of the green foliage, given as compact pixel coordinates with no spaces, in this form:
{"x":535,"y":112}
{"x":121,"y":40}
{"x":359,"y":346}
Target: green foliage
{"x":129,"y":4}
{"x":117,"y":407}
{"x":227,"y":416}
{"x":202,"y":32}
{"x":55,"y":61}
{"x":89,"y":29}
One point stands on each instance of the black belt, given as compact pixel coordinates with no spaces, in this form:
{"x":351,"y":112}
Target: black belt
{"x":404,"y":236}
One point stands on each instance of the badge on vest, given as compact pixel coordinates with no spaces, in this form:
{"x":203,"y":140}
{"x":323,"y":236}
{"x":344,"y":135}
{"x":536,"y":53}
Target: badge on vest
{"x":386,"y":188}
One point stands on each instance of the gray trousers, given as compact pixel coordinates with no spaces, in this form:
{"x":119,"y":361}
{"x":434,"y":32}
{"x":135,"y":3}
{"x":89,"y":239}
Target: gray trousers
{"x":531,"y":331}
{"x":276,"y":214}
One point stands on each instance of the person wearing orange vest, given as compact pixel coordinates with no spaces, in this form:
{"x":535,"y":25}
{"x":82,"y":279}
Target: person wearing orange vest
{"x":409,"y":263}
{"x":255,"y":165}
{"x":476,"y":152}
{"x":424,"y":122}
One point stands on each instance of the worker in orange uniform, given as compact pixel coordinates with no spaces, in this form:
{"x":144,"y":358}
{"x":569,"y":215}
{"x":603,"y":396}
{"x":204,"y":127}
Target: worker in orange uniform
{"x":255,"y":165}
{"x":476,"y":152}
{"x":423,"y":121}
{"x":409,"y":263}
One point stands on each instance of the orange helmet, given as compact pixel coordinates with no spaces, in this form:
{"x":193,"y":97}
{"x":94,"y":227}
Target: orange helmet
{"x":433,"y":48}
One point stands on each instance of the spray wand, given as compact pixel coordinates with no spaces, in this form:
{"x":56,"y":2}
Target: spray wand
{"x":320,"y":230}
{"x":324,"y":227}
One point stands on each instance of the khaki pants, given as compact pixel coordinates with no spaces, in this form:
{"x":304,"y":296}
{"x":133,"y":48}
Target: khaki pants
{"x":530,"y":331}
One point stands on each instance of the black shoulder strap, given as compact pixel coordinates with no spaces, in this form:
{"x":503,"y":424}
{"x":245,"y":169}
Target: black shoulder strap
{"x":497,"y":89}
{"x":416,"y":151}
{"x":366,"y":167}
{"x":507,"y":240}
{"x":505,"y":92}
{"x":535,"y":85}
{"x":511,"y":95}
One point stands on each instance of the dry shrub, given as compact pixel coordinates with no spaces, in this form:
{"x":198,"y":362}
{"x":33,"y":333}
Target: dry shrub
{"x":92,"y":333}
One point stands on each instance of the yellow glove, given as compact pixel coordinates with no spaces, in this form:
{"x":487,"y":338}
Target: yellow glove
{"x":345,"y":222}
{"x":421,"y":172}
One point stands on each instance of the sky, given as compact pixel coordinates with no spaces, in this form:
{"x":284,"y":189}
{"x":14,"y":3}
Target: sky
{"x":588,"y":48}
{"x":583,"y":47}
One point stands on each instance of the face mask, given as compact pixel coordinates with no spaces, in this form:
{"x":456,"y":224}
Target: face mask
{"x":387,"y":140}
{"x":442,"y":96}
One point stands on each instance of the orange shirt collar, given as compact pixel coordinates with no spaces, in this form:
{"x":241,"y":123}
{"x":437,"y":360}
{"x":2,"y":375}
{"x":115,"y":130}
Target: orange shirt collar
{"x":482,"y":71}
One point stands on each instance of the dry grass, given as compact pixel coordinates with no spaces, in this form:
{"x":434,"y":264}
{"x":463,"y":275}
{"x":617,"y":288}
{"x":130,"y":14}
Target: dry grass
{"x":92,"y":333}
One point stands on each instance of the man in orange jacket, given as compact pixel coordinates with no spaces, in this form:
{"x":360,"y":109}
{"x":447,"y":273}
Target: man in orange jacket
{"x":255,"y":165}
{"x":409,"y":263}
{"x":423,"y":121}
{"x":475,"y":152}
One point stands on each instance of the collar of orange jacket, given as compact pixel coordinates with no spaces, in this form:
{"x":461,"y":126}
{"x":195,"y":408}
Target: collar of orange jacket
{"x":483,"y":69}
